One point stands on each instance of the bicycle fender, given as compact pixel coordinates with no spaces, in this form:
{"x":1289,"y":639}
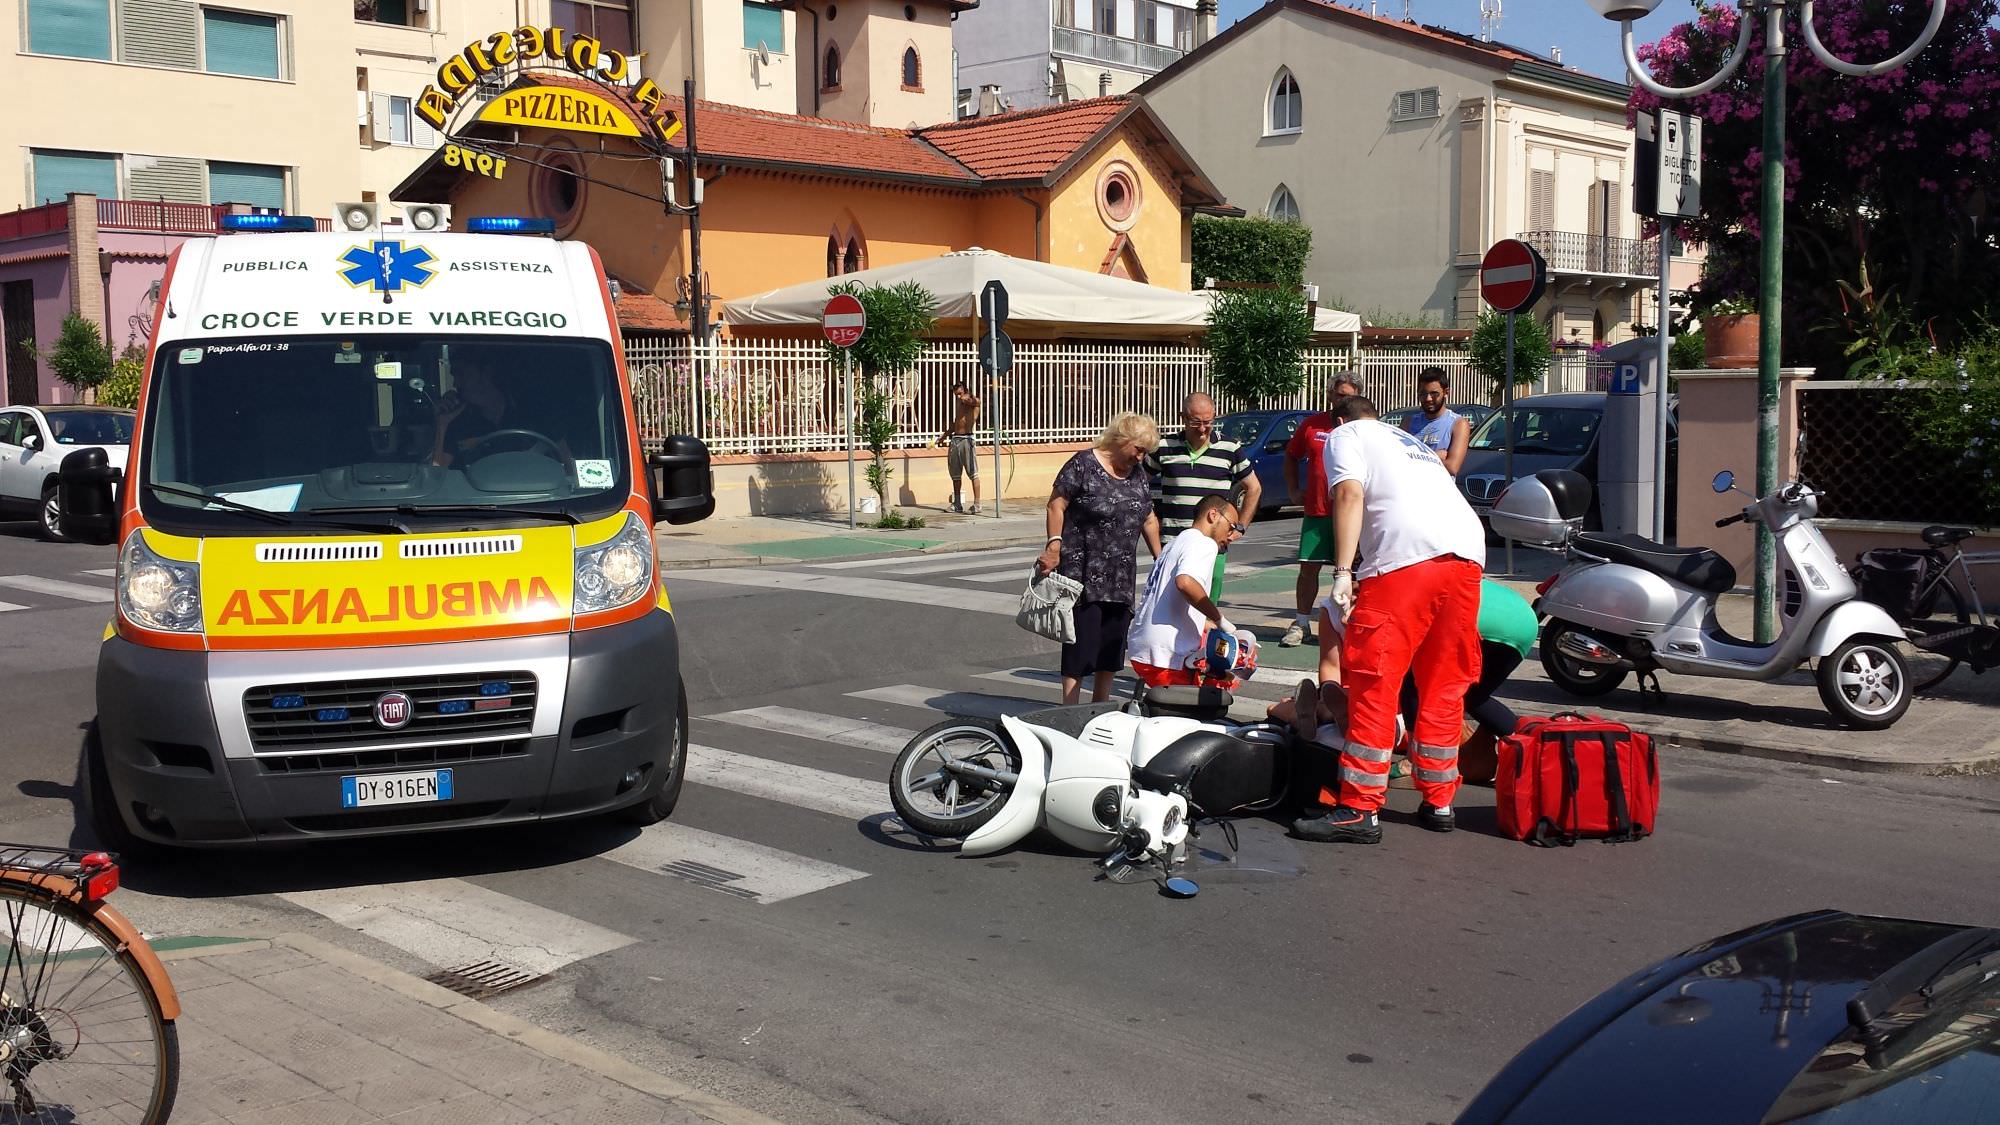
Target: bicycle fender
{"x":1847,"y":621}
{"x":1023,"y":810}
{"x":126,"y":934}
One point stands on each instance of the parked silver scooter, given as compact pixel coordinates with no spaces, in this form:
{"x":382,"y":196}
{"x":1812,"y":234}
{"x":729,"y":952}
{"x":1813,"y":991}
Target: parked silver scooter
{"x":1626,"y":604}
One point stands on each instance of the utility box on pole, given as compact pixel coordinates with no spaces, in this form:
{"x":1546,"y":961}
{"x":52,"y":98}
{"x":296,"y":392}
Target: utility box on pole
{"x":1628,"y":437}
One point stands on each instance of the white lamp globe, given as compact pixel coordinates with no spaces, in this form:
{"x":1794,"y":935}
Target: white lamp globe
{"x":1624,"y":10}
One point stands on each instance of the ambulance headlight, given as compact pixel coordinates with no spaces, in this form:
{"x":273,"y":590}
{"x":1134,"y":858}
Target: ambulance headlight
{"x":616,"y":572}
{"x":158,"y":593}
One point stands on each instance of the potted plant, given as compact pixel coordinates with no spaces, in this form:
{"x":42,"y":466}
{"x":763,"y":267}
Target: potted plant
{"x":1730,"y":333}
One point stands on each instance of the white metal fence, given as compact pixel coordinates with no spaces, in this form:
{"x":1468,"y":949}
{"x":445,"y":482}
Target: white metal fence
{"x":766,"y":397}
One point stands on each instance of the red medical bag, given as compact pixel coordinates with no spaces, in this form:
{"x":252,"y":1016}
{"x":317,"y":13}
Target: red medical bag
{"x":1576,"y":777}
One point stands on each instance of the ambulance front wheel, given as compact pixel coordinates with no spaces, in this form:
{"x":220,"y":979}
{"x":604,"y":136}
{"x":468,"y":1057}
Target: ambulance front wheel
{"x":659,"y":805}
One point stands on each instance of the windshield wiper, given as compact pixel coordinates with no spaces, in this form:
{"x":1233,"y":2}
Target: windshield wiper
{"x":287,"y":519}
{"x":1881,"y":1014}
{"x":557,"y":516}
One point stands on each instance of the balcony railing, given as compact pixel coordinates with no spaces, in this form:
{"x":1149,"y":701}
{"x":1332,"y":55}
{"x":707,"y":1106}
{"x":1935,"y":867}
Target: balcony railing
{"x":1570,"y":252}
{"x":1129,"y":53}
{"x":170,"y":218}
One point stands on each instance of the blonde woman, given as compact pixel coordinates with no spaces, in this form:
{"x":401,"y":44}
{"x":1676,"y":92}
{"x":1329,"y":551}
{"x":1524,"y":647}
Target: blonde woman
{"x":1100,"y":507}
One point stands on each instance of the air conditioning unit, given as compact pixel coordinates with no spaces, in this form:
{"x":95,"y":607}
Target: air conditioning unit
{"x":355,"y":216}
{"x":428,"y":218}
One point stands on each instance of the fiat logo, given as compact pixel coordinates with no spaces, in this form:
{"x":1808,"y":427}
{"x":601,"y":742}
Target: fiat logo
{"x":393,"y":710}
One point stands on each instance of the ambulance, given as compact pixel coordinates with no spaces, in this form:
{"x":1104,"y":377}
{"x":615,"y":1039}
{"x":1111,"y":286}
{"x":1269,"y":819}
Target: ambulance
{"x":386,"y":556}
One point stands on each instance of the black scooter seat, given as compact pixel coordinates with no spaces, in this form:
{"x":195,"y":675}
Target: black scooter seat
{"x":1698,"y":567}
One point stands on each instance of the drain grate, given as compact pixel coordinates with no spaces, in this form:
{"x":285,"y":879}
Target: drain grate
{"x":714,"y":878}
{"x":482,"y":979}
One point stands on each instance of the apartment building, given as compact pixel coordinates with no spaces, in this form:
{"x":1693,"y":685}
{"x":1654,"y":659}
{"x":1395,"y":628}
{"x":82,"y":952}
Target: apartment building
{"x":1019,"y":54}
{"x":1409,"y":150}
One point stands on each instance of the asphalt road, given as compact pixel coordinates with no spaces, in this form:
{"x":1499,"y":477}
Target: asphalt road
{"x":856,"y":974}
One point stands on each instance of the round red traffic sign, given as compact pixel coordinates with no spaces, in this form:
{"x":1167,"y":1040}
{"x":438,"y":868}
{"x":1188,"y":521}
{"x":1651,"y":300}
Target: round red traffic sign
{"x":843,"y":321}
{"x":1512,"y":276}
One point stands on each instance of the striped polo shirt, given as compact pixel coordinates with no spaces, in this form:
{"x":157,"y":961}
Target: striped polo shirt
{"x":1181,"y":479}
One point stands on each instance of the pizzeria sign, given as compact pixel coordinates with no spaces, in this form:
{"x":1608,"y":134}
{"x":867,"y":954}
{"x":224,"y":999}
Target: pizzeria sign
{"x":550,"y":107}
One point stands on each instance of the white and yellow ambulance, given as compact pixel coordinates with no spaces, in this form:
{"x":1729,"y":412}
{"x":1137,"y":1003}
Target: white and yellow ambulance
{"x":385,"y":546}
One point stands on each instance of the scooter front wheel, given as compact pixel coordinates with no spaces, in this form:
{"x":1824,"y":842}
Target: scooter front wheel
{"x":1865,"y":684}
{"x":936,"y":799}
{"x":1581,"y":678}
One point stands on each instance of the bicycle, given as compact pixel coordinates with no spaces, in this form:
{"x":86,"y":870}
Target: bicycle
{"x":1914,"y":584}
{"x":86,"y":1010}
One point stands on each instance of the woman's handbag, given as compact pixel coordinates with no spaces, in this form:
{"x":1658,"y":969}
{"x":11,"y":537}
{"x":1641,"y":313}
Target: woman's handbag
{"x":1046,"y":607}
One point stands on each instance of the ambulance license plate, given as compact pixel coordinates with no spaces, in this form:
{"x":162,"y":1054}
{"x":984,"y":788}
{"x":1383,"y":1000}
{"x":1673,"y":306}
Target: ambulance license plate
{"x":395,"y":789}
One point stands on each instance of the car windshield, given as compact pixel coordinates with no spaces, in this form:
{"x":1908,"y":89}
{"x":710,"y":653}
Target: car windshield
{"x":1559,"y":430}
{"x":90,"y":427}
{"x":1937,"y":1062}
{"x":419,"y":427}
{"x":1241,"y":428}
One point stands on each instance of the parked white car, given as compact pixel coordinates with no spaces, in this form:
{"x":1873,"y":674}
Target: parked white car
{"x":33,"y":442}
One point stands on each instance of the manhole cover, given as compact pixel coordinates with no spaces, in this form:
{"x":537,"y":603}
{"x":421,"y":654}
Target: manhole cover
{"x":714,"y":878}
{"x":482,"y":979}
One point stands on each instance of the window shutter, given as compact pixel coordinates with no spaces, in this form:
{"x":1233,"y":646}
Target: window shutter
{"x":1427,"y":102}
{"x":1596,"y":218}
{"x":1541,"y":200}
{"x":59,"y":173}
{"x":238,"y":43}
{"x":169,"y":178}
{"x":1406,"y":104}
{"x":259,"y":185}
{"x":421,"y":133}
{"x":378,"y":119}
{"x":77,"y":28}
{"x":157,"y":33}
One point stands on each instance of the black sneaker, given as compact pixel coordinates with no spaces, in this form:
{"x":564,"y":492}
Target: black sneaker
{"x":1436,"y":819}
{"x":1341,"y":826}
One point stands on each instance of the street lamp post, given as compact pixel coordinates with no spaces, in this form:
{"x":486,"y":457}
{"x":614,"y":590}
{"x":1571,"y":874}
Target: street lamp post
{"x":1771,"y":289}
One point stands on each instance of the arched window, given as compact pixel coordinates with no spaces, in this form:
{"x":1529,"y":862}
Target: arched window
{"x":913,"y":70}
{"x":854,"y":261}
{"x":1284,"y":114}
{"x":1283,"y":207}
{"x":830,"y":72}
{"x":833,"y":256}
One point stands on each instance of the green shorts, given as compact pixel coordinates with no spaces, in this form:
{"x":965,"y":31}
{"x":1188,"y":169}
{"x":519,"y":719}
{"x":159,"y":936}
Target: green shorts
{"x":1316,"y":539}
{"x":1215,"y":584}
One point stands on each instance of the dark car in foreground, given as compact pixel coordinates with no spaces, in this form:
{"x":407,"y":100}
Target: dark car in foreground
{"x":1555,"y":431}
{"x":1825,"y":1017}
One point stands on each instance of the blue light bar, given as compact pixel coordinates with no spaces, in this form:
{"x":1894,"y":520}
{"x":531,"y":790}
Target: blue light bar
{"x":288,"y":702}
{"x":454,"y":706}
{"x":510,"y":224}
{"x":268,"y":222}
{"x":330,"y":715}
{"x":494,"y":687}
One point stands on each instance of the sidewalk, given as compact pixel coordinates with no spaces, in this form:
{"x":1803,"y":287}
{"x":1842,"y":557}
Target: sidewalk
{"x":757,"y":540}
{"x":296,"y":1030}
{"x":1950,"y":732}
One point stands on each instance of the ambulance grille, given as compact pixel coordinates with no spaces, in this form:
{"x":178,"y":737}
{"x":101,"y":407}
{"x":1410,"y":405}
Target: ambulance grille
{"x":464,"y":548}
{"x":318,"y":552}
{"x":464,"y":706}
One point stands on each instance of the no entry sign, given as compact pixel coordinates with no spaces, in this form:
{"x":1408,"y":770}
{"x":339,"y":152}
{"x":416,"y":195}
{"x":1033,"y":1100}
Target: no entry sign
{"x":843,"y":321}
{"x":1512,"y":276}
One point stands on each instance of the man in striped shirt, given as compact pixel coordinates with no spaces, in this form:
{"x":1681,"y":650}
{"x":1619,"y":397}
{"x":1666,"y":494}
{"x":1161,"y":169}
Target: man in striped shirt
{"x":1194,"y":464}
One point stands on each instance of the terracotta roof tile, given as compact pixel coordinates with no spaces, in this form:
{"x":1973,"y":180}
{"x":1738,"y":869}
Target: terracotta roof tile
{"x":1027,"y":145}
{"x":640,"y":309}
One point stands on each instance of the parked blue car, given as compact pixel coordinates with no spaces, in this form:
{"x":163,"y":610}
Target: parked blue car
{"x":1264,"y":434}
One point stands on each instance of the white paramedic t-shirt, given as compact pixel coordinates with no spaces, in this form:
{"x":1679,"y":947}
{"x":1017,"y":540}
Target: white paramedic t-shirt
{"x":1166,"y":629}
{"x":1412,"y":511}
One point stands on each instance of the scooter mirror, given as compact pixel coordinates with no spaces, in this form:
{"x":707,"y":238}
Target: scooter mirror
{"x":1724,"y":481}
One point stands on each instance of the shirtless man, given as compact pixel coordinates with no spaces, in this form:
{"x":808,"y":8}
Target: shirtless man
{"x":962,"y":459}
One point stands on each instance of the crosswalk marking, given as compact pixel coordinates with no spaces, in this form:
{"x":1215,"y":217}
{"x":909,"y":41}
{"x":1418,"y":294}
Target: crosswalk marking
{"x":1011,"y":574}
{"x":984,"y":557}
{"x":450,"y":922}
{"x":734,"y":867}
{"x":9,"y":607}
{"x":1269,"y":691}
{"x":788,"y":784}
{"x":75,"y":591}
{"x":952,"y":702}
{"x":108,"y":572}
{"x":905,"y":593}
{"x":920,"y":560}
{"x":818,"y":726}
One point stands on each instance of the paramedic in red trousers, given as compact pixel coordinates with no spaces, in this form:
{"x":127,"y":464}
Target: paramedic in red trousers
{"x":1414,"y":606}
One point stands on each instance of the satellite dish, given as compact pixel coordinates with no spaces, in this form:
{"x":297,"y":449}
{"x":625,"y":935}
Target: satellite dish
{"x":763,"y":54}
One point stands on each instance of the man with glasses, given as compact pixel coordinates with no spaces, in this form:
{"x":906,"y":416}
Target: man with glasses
{"x":1192,"y":466}
{"x":1178,"y":609}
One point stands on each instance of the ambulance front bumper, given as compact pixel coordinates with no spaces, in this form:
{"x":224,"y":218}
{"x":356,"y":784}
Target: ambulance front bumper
{"x":232,"y":748}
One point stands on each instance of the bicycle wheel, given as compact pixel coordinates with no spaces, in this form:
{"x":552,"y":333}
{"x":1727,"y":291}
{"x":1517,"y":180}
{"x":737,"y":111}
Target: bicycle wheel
{"x":1946,"y":614}
{"x":82,"y":1037}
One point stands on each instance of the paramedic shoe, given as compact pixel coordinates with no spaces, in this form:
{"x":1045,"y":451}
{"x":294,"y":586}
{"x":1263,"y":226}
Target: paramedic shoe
{"x":1436,"y":819}
{"x":1341,"y":826}
{"x":1294,"y":636}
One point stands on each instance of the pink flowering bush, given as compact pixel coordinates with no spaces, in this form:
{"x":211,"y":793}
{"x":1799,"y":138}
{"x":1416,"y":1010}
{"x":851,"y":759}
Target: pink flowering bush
{"x":1901,"y":170}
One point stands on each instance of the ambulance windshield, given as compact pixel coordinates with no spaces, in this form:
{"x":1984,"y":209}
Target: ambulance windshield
{"x":431,"y":429}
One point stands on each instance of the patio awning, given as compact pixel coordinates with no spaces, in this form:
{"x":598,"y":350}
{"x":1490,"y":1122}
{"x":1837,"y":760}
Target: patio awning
{"x":1042,"y":298}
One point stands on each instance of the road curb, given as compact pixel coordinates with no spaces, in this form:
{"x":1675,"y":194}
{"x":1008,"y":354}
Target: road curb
{"x":1977,"y":764}
{"x":602,"y":1063}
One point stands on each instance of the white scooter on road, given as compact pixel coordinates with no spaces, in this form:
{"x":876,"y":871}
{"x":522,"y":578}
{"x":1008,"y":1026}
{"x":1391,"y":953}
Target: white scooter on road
{"x":1627,"y":604}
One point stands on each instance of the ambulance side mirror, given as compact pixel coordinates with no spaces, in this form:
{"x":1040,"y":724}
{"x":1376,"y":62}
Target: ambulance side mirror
{"x":683,"y":486}
{"x":85,"y":484}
